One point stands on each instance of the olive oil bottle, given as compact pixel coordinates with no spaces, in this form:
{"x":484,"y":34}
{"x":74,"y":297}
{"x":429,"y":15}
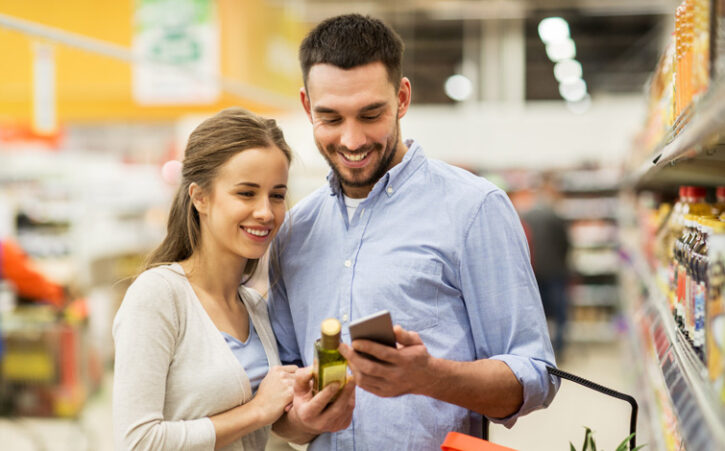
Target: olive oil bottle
{"x":329,"y":365}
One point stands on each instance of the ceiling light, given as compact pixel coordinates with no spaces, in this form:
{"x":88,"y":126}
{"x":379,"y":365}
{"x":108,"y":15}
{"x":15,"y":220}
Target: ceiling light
{"x":580,"y":106}
{"x":561,"y":50}
{"x":458,"y":87}
{"x":573,"y":91}
{"x":553,"y":29}
{"x":567,"y":70}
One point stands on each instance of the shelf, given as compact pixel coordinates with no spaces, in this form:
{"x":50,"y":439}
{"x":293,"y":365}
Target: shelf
{"x":597,"y":182}
{"x":594,"y":295}
{"x":696,"y":155}
{"x":601,"y":245}
{"x":700,"y":415}
{"x":592,"y":331}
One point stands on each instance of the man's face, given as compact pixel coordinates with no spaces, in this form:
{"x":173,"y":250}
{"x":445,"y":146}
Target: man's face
{"x":355,"y":120}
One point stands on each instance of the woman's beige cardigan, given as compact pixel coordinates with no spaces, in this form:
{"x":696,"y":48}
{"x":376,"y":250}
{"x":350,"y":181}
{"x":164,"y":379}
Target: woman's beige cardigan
{"x":173,"y":368}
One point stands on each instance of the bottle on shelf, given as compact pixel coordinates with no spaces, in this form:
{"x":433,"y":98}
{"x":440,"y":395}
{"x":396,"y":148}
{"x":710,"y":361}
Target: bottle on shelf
{"x":698,"y":267}
{"x":329,"y":365}
{"x":719,"y":207}
{"x":715,"y":308}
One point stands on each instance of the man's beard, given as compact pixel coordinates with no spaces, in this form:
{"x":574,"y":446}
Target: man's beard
{"x":387,"y":156}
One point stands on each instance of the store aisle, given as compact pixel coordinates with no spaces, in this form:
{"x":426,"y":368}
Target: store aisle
{"x":551,"y":429}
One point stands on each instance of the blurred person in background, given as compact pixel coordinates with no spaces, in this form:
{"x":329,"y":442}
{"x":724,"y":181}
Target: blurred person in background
{"x":549,"y":243}
{"x":196,"y":363}
{"x":440,"y":248}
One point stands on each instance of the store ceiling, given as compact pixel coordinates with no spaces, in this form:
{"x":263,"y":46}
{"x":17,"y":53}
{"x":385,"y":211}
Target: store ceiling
{"x":618,"y":41}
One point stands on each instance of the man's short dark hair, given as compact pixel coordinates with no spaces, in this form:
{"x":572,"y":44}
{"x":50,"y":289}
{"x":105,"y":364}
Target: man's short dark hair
{"x":352,"y":40}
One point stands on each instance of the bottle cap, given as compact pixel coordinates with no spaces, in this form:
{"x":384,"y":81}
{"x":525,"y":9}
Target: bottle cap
{"x":330,"y":329}
{"x":683,"y":192}
{"x":697,"y":193}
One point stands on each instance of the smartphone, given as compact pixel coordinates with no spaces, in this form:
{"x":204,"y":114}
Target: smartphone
{"x":377,"y":327}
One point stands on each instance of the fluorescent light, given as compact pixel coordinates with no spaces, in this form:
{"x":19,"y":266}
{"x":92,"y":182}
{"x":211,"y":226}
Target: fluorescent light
{"x":567,"y":70}
{"x":561,"y":50}
{"x":580,"y":106}
{"x":458,"y":87}
{"x":553,"y":29}
{"x":573,"y":91}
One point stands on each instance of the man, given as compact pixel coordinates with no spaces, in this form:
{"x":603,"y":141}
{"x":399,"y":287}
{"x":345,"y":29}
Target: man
{"x":439,"y":248}
{"x":550,"y":246}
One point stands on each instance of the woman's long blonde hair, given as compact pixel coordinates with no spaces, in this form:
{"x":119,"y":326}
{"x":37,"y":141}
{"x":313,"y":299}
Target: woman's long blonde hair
{"x":210,"y":146}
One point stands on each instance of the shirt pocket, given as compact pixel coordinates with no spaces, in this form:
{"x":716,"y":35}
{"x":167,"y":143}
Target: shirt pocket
{"x":410,"y":293}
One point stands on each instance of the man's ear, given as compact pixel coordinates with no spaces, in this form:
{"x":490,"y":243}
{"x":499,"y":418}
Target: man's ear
{"x":198,"y":197}
{"x":404,"y":95}
{"x":306,"y":102}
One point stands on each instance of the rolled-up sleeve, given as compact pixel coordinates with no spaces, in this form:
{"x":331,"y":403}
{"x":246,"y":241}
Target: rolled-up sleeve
{"x":503,"y":304}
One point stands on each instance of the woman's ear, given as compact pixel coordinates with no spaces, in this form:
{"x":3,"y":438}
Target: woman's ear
{"x":198,"y":198}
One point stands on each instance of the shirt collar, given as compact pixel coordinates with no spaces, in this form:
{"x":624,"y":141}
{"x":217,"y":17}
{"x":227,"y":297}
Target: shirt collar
{"x":392,"y":179}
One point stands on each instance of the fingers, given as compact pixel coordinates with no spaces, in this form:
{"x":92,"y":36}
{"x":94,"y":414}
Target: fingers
{"x":338,"y":414}
{"x":406,"y":338}
{"x":303,"y":381}
{"x":319,"y":415}
{"x":377,"y":350}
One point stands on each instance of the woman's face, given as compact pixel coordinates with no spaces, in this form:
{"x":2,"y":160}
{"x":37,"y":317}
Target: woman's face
{"x":246,"y":203}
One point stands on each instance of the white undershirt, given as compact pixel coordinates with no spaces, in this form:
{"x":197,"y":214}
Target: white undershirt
{"x":351,"y":205}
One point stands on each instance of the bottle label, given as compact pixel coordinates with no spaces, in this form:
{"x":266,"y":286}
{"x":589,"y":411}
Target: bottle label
{"x":334,"y":373}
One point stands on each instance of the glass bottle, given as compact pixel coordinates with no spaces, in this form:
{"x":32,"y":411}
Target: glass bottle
{"x":329,"y":365}
{"x":715,"y":310}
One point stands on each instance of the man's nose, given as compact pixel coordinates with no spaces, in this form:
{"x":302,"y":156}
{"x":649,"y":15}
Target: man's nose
{"x":353,"y":136}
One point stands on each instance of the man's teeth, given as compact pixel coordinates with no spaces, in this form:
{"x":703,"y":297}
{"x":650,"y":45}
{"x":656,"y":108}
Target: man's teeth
{"x":257,"y":232}
{"x":355,"y":156}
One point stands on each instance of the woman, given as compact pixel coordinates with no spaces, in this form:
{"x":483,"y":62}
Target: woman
{"x":196,"y":365}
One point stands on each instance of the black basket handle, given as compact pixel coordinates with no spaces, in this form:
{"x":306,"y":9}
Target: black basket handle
{"x":594,"y":386}
{"x":607,"y":391}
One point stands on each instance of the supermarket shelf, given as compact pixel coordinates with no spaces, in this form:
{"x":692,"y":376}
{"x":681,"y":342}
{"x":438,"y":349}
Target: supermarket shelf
{"x":594,"y":295}
{"x":651,"y":388}
{"x":598,"y":182}
{"x":696,"y":154}
{"x":700,"y":416}
{"x":583,"y":302}
{"x":592,"y":331}
{"x":596,"y":245}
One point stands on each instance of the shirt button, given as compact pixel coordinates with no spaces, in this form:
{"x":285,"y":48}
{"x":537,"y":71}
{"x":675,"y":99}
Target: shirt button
{"x":348,"y":263}
{"x":344,"y":318}
{"x":390,"y":190}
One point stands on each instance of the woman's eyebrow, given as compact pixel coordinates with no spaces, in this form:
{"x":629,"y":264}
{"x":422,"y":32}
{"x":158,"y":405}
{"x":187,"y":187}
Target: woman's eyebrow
{"x":255,"y":185}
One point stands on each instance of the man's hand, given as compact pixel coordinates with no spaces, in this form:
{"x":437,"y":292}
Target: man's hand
{"x":402,"y":370}
{"x":315,"y":414}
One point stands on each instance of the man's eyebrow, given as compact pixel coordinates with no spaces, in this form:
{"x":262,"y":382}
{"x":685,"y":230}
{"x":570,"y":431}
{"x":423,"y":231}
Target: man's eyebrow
{"x":323,"y":110}
{"x":366,"y":108}
{"x":373,"y":106}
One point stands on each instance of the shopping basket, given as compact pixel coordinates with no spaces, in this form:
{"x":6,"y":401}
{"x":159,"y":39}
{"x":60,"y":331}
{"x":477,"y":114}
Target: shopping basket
{"x":456,"y":441}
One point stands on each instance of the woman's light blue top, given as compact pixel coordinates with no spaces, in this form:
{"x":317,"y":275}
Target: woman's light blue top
{"x":251,"y":355}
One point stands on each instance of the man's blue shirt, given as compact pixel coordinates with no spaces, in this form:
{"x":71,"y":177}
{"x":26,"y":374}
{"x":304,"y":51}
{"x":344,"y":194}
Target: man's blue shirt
{"x":444,"y":251}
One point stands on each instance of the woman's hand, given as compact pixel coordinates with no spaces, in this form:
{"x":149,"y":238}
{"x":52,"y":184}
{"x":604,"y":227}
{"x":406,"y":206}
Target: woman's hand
{"x":275,"y":392}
